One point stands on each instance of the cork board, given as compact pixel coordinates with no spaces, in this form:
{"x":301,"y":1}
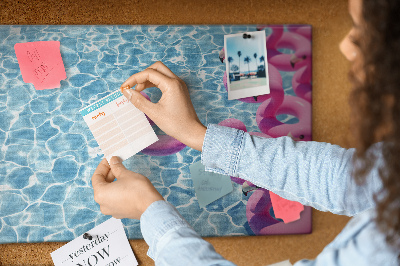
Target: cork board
{"x":330,"y":23}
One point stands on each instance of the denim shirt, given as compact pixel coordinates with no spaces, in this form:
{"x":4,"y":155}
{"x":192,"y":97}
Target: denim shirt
{"x":312,"y":173}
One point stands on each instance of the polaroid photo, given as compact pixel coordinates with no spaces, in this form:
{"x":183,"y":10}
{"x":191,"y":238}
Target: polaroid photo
{"x":246,"y":64}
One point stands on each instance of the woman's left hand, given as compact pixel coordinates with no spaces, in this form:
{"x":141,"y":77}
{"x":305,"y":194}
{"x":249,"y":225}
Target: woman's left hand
{"x":127,"y":197}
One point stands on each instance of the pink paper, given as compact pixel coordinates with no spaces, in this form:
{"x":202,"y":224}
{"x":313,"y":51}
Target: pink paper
{"x":41,"y":64}
{"x":286,"y":210}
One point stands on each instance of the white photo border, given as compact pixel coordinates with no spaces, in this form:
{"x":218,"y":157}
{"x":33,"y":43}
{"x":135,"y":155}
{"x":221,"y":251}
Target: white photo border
{"x":247,"y":92}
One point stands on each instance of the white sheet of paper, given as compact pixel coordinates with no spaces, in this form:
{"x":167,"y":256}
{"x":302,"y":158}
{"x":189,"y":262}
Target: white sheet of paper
{"x":110,"y":247}
{"x":118,"y":126}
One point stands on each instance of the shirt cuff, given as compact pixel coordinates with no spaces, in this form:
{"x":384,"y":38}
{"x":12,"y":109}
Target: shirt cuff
{"x":221,"y":149}
{"x":158,"y":219}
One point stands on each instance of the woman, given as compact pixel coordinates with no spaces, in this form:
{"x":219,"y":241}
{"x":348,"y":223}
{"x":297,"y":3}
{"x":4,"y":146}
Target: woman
{"x":360,"y":182}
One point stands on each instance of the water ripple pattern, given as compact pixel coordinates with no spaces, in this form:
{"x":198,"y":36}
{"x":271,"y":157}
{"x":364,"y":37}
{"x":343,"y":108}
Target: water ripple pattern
{"x":48,"y":154}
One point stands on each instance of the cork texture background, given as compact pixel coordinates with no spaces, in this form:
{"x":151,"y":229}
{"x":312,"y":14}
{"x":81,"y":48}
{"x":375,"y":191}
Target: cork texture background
{"x":330,"y":23}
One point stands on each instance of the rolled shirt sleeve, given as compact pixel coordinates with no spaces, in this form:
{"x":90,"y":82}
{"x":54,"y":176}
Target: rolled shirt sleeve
{"x":172,"y":241}
{"x":313,"y":173}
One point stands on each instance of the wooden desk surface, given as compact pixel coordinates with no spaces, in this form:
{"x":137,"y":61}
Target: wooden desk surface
{"x":330,"y":22}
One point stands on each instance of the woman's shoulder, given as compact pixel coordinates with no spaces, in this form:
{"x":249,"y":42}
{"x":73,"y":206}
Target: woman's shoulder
{"x":361,"y":240}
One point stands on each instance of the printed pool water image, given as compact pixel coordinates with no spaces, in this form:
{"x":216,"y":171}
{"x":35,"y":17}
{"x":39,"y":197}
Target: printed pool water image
{"x":48,"y":154}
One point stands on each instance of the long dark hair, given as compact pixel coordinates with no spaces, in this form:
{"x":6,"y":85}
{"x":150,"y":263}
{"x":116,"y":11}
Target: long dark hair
{"x":375,"y":103}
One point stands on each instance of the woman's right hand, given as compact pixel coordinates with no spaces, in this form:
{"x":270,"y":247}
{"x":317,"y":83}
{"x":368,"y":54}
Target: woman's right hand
{"x":174,"y":112}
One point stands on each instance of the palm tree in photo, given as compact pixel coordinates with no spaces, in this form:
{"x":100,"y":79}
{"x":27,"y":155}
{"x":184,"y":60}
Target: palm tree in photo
{"x":255,"y":57}
{"x":234,"y":68}
{"x":239,"y":54}
{"x":261,"y":68}
{"x":230,"y":59}
{"x":262,"y":59}
{"x":247,"y":60}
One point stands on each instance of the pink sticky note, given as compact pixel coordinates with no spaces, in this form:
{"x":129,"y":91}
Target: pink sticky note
{"x":41,"y":64}
{"x":284,"y":209}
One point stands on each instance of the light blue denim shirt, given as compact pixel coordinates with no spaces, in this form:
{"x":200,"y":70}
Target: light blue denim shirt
{"x":312,"y":173}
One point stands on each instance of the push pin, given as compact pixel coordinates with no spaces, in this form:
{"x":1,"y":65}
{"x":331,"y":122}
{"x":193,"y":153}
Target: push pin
{"x":127,"y":87}
{"x":246,"y":36}
{"x":88,"y":236}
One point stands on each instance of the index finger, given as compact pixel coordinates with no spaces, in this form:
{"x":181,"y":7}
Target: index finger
{"x":100,"y":174}
{"x":160,"y":67}
{"x":159,"y":80}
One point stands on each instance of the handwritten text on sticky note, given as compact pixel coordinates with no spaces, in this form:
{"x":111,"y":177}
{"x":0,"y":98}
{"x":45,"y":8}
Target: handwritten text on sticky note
{"x":207,"y":185}
{"x":41,"y":63}
{"x":284,"y":209}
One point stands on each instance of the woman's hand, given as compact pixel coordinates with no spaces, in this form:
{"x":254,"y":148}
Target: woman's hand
{"x":174,"y":112}
{"x":127,"y":197}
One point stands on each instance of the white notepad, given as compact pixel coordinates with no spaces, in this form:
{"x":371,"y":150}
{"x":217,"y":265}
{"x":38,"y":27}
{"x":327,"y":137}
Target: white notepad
{"x":118,"y":126}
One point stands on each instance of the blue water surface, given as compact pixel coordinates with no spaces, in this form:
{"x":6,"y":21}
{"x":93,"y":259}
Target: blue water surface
{"x":48,"y":153}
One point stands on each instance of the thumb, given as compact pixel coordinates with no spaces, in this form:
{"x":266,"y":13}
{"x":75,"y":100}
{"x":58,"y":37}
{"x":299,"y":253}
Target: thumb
{"x":117,"y":167}
{"x":139,"y":101}
{"x":100,"y":174}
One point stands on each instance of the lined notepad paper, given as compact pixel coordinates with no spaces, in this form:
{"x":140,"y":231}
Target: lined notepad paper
{"x":118,"y":126}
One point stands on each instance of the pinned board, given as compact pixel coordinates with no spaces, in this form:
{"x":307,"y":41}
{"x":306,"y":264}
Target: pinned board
{"x":49,"y":154}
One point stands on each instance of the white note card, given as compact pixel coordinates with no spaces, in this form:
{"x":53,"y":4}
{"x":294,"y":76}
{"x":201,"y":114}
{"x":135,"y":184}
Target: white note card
{"x":118,"y":126}
{"x":108,"y":247}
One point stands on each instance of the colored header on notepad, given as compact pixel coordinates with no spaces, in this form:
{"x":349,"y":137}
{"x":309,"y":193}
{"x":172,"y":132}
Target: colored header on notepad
{"x":100,"y":103}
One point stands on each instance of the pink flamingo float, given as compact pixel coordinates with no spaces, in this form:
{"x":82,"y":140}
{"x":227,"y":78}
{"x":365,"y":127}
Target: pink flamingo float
{"x":280,"y":39}
{"x":298,"y":39}
{"x":296,"y":106}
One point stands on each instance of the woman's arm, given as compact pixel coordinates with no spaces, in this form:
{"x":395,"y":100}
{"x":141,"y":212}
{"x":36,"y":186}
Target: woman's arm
{"x":312,"y":173}
{"x":172,"y":241}
{"x":315,"y":174}
{"x":126,"y":194}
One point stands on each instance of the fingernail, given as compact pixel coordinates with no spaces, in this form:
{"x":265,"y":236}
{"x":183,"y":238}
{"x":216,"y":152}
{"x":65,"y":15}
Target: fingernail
{"x":129,"y":92}
{"x":115,"y":160}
